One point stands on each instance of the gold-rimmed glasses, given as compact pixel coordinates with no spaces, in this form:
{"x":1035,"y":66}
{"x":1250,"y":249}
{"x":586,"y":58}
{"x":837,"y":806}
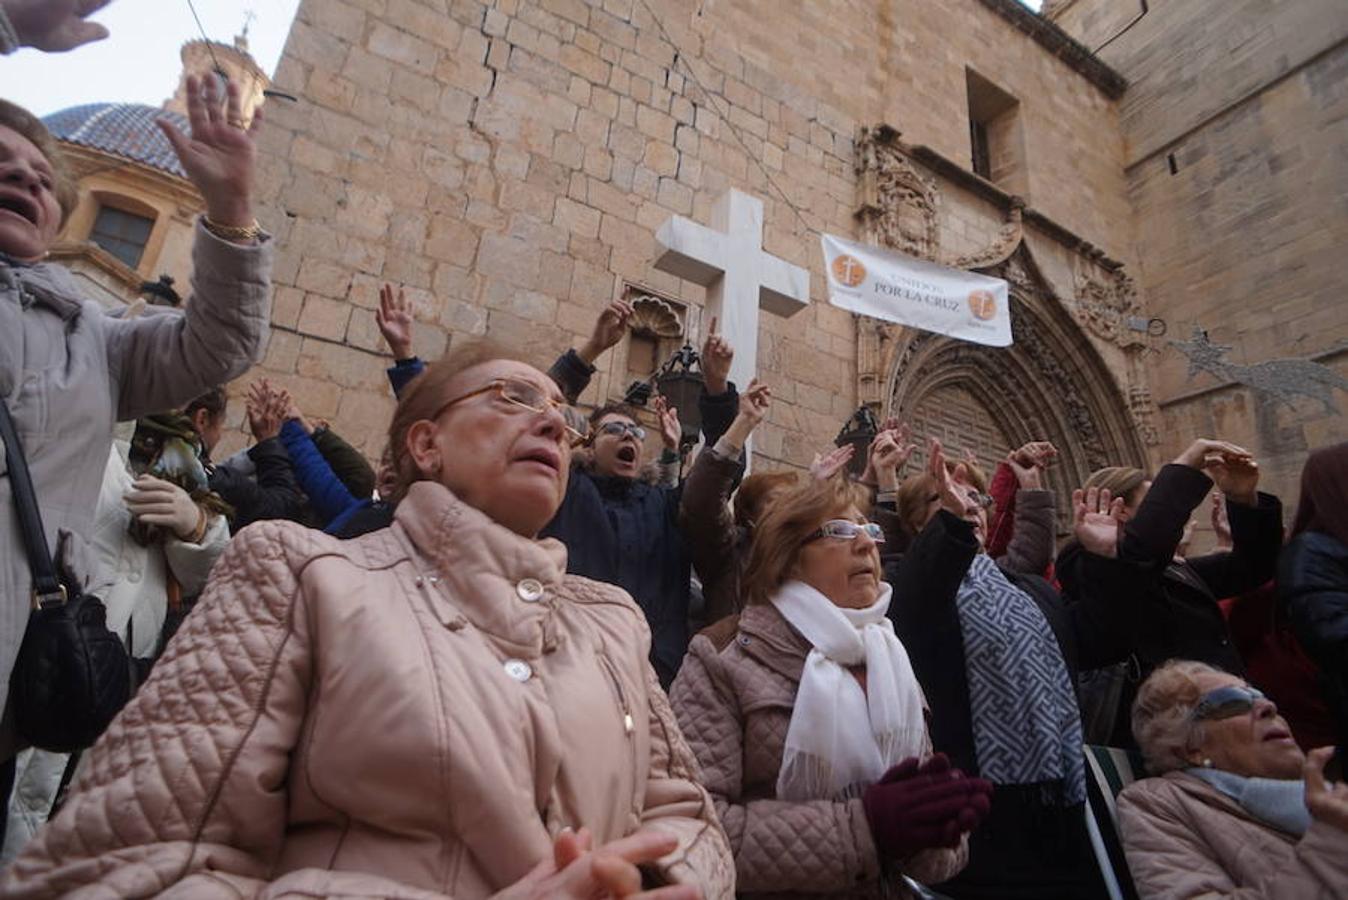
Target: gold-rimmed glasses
{"x":531,"y":397}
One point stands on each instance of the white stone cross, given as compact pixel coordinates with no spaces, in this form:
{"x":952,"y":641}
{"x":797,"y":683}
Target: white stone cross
{"x":727,"y":259}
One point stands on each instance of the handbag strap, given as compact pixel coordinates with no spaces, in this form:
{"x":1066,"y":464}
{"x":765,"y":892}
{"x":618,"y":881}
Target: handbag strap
{"x":47,"y":587}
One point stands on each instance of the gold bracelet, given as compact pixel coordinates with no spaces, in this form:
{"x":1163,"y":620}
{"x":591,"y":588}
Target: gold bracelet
{"x":203,"y":525}
{"x":248,"y":232}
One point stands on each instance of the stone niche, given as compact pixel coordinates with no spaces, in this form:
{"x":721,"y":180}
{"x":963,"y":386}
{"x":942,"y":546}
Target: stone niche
{"x":659,"y":327}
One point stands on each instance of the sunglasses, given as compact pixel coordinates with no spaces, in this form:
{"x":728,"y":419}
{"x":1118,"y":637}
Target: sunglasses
{"x":618,"y":429}
{"x":531,"y":397}
{"x":846,"y":530}
{"x":1225,"y":703}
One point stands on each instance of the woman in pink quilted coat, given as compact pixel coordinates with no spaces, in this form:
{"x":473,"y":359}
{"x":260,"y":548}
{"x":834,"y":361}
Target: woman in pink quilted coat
{"x":809,"y":723}
{"x":432,"y":710}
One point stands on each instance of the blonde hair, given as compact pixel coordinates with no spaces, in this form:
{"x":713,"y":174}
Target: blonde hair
{"x":30,"y":127}
{"x":1161,"y":714}
{"x":422,"y":399}
{"x":1122,"y":481}
{"x":787,"y":521}
{"x":754,"y":490}
{"x":911,"y":500}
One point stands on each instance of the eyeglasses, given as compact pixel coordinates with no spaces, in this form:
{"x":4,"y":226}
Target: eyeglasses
{"x":1225,"y":703}
{"x":621,"y":428}
{"x":847,"y":530}
{"x":530,"y":397}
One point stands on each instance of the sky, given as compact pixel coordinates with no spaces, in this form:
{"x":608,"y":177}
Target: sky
{"x":139,"y":62}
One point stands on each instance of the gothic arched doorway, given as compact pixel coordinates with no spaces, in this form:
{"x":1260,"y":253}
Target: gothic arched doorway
{"x":1050,"y":384}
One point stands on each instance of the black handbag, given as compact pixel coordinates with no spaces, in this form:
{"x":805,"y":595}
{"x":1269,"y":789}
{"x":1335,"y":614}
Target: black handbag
{"x":72,"y":675}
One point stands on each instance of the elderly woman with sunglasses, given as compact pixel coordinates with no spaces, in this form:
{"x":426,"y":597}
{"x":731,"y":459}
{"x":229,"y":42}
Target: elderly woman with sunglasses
{"x":432,"y":710}
{"x":1237,"y":810}
{"x":808,"y":722}
{"x":997,"y":652}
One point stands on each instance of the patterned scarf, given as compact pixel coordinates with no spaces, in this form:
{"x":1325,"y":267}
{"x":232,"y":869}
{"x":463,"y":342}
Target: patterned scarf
{"x":1027,"y":729}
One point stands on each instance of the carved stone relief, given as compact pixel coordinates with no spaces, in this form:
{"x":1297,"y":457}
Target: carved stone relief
{"x":898,"y":204}
{"x":1105,"y":299}
{"x":899,"y":208}
{"x":656,"y":316}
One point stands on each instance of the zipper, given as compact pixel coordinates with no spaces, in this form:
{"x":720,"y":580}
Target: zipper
{"x":606,"y":664}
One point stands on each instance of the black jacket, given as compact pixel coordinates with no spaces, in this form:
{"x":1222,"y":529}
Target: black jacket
{"x":1313,"y":583}
{"x":1177,"y":617}
{"x":626,"y":532}
{"x":1028,"y":847}
{"x":273,"y":493}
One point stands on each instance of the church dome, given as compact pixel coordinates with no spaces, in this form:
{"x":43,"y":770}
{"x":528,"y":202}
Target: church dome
{"x":122,"y":129}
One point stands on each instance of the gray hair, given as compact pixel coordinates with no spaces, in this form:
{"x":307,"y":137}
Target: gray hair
{"x":1161,"y":714}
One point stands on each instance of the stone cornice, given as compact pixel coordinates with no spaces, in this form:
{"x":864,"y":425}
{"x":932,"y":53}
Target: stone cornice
{"x":66,"y":251}
{"x":88,"y":161}
{"x":977,"y":184}
{"x":1056,"y":41}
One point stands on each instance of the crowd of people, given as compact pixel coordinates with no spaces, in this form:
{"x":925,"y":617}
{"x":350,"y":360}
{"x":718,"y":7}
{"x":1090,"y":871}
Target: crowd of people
{"x":539,"y":652}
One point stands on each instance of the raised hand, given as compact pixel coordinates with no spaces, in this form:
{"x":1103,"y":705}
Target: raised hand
{"x":831,"y":463}
{"x":753,"y":408}
{"x":264,"y":421}
{"x":954,"y":497}
{"x":670,"y":429}
{"x":1097,"y":519}
{"x":1029,"y":461}
{"x":221,"y":153}
{"x":889,"y":453}
{"x":1221,"y":527}
{"x":54,"y":25}
{"x":1327,"y":803}
{"x":394,"y":318}
{"x":1036,"y":453}
{"x":717,"y":355}
{"x":157,"y":502}
{"x":1236,"y":475}
{"x":285,"y":407}
{"x":755,"y":401}
{"x":608,"y":330}
{"x":1197,"y":454}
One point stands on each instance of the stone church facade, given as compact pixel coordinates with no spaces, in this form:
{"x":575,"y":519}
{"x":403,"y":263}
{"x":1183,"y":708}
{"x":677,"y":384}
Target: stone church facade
{"x":510,"y":163}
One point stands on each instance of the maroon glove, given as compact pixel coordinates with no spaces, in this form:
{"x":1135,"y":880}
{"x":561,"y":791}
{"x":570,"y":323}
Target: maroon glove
{"x":921,"y":806}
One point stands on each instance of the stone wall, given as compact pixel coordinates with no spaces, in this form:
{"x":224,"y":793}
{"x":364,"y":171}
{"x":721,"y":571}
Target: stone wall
{"x":1237,"y":166}
{"x":509,"y":164}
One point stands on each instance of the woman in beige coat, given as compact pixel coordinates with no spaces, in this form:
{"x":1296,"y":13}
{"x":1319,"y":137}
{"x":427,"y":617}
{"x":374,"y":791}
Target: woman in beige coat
{"x":808,"y":721}
{"x":431,"y":710}
{"x":1238,"y":810}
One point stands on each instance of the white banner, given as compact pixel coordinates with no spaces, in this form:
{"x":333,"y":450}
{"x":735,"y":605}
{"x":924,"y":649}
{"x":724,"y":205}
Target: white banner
{"x":896,"y":287}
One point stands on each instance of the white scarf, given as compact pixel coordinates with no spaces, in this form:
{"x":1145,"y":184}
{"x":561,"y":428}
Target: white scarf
{"x":841,"y":738}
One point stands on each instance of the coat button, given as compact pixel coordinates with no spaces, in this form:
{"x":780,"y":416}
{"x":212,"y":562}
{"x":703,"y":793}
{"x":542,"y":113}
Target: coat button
{"x":518,"y":669}
{"x":530,"y":590}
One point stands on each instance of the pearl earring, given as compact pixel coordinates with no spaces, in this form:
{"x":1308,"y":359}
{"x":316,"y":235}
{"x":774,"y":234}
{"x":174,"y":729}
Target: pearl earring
{"x":1207,"y":763}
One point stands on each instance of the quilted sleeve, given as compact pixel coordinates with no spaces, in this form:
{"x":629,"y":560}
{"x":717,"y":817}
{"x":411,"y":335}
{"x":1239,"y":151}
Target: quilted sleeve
{"x":162,"y":360}
{"x":185,"y":792}
{"x":676,"y":802}
{"x":818,"y":846}
{"x":1170,"y":860}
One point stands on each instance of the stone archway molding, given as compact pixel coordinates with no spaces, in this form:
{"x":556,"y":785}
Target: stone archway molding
{"x":1049,"y":384}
